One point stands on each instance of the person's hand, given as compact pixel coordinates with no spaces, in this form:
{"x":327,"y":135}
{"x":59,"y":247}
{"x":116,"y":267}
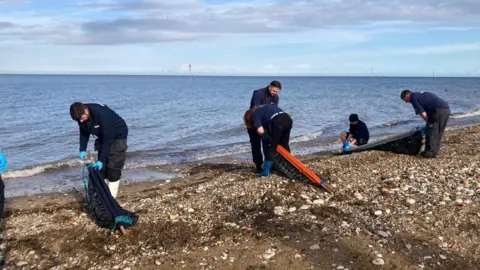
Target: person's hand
{"x":82,"y":155}
{"x":3,"y":162}
{"x":98,"y":165}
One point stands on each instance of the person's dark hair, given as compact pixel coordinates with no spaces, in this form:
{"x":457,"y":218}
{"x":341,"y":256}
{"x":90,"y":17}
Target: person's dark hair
{"x":276,"y":84}
{"x":353,"y":117}
{"x":77,"y":109}
{"x":405,"y":93}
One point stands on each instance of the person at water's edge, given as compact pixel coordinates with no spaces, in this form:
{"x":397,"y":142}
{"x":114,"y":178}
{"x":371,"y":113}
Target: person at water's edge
{"x":275,"y":125}
{"x":436,"y":112}
{"x":111,"y":132}
{"x":266,"y":95}
{"x":358,"y":133}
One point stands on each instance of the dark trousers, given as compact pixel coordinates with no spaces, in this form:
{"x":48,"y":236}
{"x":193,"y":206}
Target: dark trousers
{"x":256,"y":144}
{"x":437,"y":122}
{"x":112,"y":170}
{"x":2,"y":197}
{"x":279,"y":133}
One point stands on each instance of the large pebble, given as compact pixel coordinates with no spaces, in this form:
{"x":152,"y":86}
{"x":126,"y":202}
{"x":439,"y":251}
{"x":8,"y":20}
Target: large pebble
{"x":278,"y":210}
{"x":378,"y":261}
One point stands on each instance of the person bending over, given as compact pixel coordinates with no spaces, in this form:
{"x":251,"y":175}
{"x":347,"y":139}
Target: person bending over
{"x":111,"y":142}
{"x":435,"y":112}
{"x":357,"y":135}
{"x":273,"y":124}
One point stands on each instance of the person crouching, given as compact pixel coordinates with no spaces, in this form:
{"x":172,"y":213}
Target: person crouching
{"x":275,"y":125}
{"x":358,"y":133}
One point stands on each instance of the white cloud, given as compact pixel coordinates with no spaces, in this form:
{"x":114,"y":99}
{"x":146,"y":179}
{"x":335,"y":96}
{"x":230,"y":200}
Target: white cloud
{"x":166,"y":21}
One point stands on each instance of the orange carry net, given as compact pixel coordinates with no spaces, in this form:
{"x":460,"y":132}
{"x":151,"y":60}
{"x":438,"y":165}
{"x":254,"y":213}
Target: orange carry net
{"x":302,"y":169}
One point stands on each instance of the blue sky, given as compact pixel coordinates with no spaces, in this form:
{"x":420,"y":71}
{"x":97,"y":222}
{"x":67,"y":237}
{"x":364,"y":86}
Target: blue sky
{"x":284,"y":37}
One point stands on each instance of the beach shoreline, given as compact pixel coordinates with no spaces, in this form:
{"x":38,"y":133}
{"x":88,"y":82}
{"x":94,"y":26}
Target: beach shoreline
{"x":387,"y":210}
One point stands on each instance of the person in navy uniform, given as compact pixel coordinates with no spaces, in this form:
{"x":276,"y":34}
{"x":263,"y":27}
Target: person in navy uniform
{"x":3,"y":167}
{"x":272,"y":123}
{"x":358,"y":133}
{"x":111,"y":132}
{"x":435,"y":112}
{"x":266,"y":95}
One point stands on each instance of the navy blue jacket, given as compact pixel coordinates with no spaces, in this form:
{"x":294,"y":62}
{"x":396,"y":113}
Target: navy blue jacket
{"x":262,"y":96}
{"x":261,"y":117}
{"x":426,"y":102}
{"x":360,"y":131}
{"x":104,"y":123}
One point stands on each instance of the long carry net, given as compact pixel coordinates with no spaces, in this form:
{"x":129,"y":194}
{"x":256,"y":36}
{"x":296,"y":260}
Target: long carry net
{"x":410,"y":145}
{"x":100,"y":204}
{"x":291,"y":167}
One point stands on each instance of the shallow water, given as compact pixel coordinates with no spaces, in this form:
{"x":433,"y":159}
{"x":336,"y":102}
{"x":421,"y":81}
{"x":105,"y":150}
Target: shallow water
{"x":173,"y":119}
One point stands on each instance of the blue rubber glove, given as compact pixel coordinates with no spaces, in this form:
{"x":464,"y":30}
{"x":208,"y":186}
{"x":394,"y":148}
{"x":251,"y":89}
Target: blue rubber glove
{"x":82,"y":155}
{"x":98,"y":165}
{"x":346,"y":146}
{"x":3,"y":162}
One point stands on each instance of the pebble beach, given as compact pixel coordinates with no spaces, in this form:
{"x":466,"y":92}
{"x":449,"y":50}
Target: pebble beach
{"x":387,"y":211}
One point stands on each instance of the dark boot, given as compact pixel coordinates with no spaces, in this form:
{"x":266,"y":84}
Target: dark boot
{"x":258,"y":168}
{"x":266,"y":168}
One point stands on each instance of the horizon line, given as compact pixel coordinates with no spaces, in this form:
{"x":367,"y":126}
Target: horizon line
{"x":235,"y":75}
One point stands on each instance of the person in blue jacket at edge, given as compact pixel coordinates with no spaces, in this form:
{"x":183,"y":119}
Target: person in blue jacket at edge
{"x":273,"y":124}
{"x":435,"y":112}
{"x":111,"y":132}
{"x":3,"y":167}
{"x":266,"y":95}
{"x":358,"y":133}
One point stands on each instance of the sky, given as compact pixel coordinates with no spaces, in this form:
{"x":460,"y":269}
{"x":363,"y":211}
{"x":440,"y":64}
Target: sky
{"x":241,"y":37}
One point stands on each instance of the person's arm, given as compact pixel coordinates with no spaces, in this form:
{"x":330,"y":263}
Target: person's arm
{"x":84,"y":136}
{"x":256,"y":99}
{"x":107,"y":129}
{"x":277,"y":100}
{"x":257,"y":123}
{"x":419,"y":109}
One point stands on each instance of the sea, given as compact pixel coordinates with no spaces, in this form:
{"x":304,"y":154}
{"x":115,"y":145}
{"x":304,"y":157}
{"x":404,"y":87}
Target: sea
{"x":177,"y":120}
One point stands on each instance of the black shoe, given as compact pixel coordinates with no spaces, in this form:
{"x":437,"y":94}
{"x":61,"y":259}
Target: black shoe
{"x":427,"y":155}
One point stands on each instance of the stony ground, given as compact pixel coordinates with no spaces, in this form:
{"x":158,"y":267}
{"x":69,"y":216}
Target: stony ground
{"x":388,"y":211}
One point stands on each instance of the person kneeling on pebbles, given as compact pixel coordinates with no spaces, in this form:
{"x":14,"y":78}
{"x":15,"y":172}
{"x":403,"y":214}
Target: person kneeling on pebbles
{"x":357,"y":135}
{"x":275,"y":125}
{"x":111,"y":132}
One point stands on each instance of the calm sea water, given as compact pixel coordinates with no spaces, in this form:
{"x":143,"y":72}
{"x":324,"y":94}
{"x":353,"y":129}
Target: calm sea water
{"x":178,"y":119}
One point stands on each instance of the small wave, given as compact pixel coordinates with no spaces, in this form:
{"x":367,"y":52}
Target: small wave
{"x":26,"y":172}
{"x":234,"y":151}
{"x":141,"y":165}
{"x":396,"y":123}
{"x":465,"y":114}
{"x":306,"y":137}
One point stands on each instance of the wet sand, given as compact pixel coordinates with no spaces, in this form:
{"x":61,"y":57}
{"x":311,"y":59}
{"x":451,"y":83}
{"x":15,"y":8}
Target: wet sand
{"x":388,"y":211}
